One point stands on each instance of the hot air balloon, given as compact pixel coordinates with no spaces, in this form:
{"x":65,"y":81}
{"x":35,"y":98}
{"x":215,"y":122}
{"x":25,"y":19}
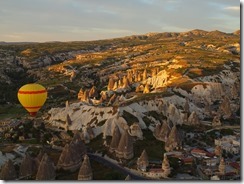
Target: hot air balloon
{"x":32,"y":97}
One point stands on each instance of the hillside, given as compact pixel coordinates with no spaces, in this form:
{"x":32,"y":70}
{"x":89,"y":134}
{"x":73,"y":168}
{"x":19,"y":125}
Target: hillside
{"x":170,"y":94}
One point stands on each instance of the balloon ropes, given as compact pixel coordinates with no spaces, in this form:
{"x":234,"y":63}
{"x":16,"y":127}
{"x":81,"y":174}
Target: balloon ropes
{"x":32,"y":97}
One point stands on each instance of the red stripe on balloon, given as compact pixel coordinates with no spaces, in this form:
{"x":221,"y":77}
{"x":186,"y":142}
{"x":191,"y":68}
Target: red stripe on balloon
{"x":32,"y":92}
{"x":33,"y":107}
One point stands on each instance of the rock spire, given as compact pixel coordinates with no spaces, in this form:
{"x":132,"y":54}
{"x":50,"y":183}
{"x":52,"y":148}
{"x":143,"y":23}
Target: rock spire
{"x":85,"y":172}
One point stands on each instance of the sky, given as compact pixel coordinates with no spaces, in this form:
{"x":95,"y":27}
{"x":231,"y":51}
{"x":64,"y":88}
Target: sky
{"x":83,"y":20}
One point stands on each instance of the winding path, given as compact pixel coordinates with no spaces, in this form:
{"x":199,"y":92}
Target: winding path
{"x":116,"y":167}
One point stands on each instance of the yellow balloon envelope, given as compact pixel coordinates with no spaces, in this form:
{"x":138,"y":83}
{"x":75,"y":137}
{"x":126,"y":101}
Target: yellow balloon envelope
{"x":32,"y":97}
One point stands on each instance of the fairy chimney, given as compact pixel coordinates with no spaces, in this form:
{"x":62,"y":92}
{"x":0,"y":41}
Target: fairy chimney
{"x":115,"y":85}
{"x":83,"y":95}
{"x":125,"y":82}
{"x":154,"y":72}
{"x":8,"y":171}
{"x":164,"y":132}
{"x":157,"y":129}
{"x":142,"y":161}
{"x":222,"y":166}
{"x":38,"y":159}
{"x":144,"y":75}
{"x":173,"y":141}
{"x":218,"y":150}
{"x":70,"y":158}
{"x":93,"y":93}
{"x":138,"y":89}
{"x":136,"y":77}
{"x":129,"y":77}
{"x":72,"y":76}
{"x":46,"y":170}
{"x":139,"y":77}
{"x":80,"y":94}
{"x":216,"y":121}
{"x":28,"y":167}
{"x":128,"y":177}
{"x":125,"y":147}
{"x":193,"y":119}
{"x":115,"y":139}
{"x":110,"y":84}
{"x":79,"y":144}
{"x":120,"y":83}
{"x":234,"y":92}
{"x":85,"y":172}
{"x":68,"y":122}
{"x":112,"y":99}
{"x":225,"y":108}
{"x":187,"y":107}
{"x":146,"y":89}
